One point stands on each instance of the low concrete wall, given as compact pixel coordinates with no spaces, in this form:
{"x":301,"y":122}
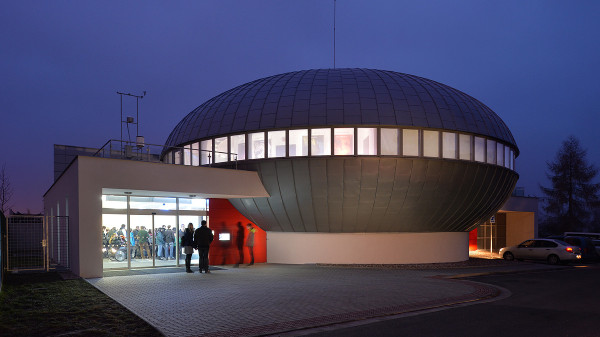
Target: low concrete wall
{"x":367,"y":248}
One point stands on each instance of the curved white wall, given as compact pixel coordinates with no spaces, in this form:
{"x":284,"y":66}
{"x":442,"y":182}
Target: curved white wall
{"x":367,"y":248}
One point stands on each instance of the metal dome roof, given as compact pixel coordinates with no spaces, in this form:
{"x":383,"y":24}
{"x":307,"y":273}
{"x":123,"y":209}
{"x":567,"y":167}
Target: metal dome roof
{"x":350,"y":96}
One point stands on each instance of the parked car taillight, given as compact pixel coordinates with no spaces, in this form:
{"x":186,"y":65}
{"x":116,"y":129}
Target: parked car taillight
{"x":569,"y":249}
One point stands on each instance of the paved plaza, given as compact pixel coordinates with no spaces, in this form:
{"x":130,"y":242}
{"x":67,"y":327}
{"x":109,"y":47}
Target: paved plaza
{"x":274,"y":299}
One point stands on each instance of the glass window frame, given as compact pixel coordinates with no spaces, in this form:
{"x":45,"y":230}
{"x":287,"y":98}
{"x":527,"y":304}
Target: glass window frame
{"x":234,"y":154}
{"x":431,"y":143}
{"x":303,"y":142}
{"x":465,"y":147}
{"x":371,"y":135}
{"x":252,"y":143}
{"x":449,"y":151}
{"x":396,"y":141}
{"x":220,"y":155}
{"x":406,"y":141}
{"x":490,"y":154}
{"x":206,"y":152}
{"x":344,"y":141}
{"x":327,"y":144}
{"x":479,"y":146}
{"x":272,"y":146}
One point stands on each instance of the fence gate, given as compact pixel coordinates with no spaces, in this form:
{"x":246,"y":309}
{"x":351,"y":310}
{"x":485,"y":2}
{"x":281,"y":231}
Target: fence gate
{"x":36,"y":242}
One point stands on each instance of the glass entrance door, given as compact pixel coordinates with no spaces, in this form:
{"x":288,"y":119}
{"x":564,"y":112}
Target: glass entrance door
{"x":139,"y":232}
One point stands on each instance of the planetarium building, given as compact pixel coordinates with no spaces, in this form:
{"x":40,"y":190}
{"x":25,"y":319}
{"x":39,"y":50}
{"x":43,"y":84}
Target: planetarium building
{"x":405,"y":162}
{"x":350,"y":166}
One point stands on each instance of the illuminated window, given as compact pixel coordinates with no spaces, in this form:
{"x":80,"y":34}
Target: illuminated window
{"x":178,"y":157}
{"x":499,"y":154}
{"x":276,"y":144}
{"x":464,"y":147}
{"x":410,"y":142}
{"x":480,"y":149}
{"x":187,"y":155}
{"x":192,"y":204}
{"x":343,"y":141}
{"x":431,"y":143}
{"x":298,"y":143}
{"x":389,"y":142}
{"x":163,"y":203}
{"x":491,"y":152}
{"x":366,"y":141}
{"x":114,"y":201}
{"x":320,"y":142}
{"x":196,"y":154}
{"x":238,"y":147}
{"x":221,"y":154}
{"x":449,"y":145}
{"x":206,"y":155}
{"x":507,"y":157}
{"x":256,"y":145}
{"x":512,"y":160}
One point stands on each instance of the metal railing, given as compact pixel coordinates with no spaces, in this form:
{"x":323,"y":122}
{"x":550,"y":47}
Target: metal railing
{"x":130,"y":150}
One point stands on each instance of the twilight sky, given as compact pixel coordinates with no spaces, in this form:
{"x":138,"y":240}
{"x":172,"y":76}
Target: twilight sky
{"x":535,"y":63}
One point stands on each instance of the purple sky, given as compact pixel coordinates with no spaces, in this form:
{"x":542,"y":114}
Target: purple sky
{"x":535,"y":63}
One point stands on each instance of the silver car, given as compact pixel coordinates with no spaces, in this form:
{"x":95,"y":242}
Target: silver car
{"x":552,"y":250}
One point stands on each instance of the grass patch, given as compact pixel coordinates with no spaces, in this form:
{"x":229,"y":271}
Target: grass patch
{"x":46,"y":305}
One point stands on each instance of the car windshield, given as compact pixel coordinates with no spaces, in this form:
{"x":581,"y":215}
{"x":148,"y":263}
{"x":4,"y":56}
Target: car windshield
{"x":561,"y":242}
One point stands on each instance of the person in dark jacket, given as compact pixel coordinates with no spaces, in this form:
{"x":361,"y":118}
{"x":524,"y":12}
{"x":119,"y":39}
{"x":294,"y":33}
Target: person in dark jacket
{"x":250,"y":242}
{"x":187,"y":241}
{"x":202,"y":239}
{"x":239,"y":239}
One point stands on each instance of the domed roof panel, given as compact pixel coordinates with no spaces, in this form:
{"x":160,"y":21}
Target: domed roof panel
{"x":322,"y":97}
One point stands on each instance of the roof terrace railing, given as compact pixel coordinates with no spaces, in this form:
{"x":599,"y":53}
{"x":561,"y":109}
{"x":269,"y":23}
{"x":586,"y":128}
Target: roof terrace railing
{"x":147,"y":152}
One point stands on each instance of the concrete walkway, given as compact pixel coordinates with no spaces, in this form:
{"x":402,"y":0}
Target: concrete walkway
{"x":269,"y":299}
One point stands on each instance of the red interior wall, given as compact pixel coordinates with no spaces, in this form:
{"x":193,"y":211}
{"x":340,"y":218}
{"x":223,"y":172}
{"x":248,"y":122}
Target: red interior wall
{"x":224,"y":218}
{"x":473,"y":239}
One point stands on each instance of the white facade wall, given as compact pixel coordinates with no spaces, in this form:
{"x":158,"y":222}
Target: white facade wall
{"x":367,"y":248}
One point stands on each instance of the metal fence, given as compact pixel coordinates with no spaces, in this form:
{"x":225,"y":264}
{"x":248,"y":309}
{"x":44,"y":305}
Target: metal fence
{"x":36,"y":243}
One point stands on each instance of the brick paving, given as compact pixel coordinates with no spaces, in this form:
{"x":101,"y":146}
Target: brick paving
{"x":268,"y":299}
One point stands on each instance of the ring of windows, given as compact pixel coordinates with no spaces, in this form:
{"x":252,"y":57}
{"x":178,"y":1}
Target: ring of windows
{"x":344,"y":141}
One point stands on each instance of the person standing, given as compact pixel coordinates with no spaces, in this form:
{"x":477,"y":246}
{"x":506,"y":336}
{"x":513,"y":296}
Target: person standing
{"x":181,"y":233}
{"x":142,"y":241}
{"x":250,"y":242}
{"x":202,"y":240}
{"x":239,"y":240}
{"x":169,"y":241}
{"x":187,"y":241}
{"x":160,"y":242}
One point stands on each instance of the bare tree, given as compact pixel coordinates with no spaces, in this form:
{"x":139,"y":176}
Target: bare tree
{"x":6,"y":191}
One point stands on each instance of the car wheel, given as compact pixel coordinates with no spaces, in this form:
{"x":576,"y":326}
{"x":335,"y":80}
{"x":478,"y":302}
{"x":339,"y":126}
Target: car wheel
{"x":508,"y":256}
{"x":553,"y":259}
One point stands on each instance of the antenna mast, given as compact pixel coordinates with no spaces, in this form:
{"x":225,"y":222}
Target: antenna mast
{"x":333,"y":34}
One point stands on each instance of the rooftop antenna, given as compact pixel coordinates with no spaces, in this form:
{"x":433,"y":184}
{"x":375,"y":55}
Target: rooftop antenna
{"x":130,"y":120}
{"x":333,"y":34}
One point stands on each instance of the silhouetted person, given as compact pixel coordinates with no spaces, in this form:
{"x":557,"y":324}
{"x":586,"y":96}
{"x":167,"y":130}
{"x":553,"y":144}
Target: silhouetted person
{"x":250,"y":242}
{"x":187,"y":241}
{"x":202,"y":239}
{"x":239,"y":240}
